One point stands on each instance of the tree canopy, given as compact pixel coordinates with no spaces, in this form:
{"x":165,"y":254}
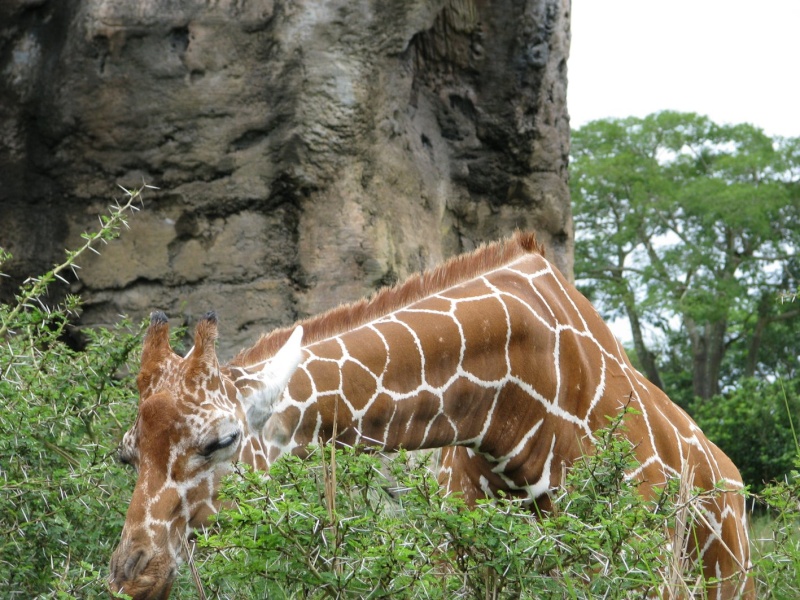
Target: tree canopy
{"x":690,"y":230}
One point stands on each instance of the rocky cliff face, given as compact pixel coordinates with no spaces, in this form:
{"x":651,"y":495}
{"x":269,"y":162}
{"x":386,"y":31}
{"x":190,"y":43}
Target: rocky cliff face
{"x":306,"y":152}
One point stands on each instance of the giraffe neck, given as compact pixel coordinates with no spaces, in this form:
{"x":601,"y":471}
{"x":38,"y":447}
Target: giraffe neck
{"x":450,"y":370}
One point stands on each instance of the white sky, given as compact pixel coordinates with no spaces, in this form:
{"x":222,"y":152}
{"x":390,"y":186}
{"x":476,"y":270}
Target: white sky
{"x":735,"y":61}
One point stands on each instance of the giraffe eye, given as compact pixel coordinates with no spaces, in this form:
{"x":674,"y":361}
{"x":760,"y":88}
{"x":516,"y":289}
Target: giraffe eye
{"x":219,"y":444}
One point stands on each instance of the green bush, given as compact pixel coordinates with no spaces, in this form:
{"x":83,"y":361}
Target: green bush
{"x":334,"y":526}
{"x":776,"y":539}
{"x":755,"y":426}
{"x":62,"y":498}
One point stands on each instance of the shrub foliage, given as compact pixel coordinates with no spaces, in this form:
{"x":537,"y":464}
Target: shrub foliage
{"x":337,"y":525}
{"x":754,"y":424}
{"x":62,"y":498}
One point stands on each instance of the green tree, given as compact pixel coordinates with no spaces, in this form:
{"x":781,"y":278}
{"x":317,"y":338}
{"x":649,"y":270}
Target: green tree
{"x":690,"y":229}
{"x":754,"y":424}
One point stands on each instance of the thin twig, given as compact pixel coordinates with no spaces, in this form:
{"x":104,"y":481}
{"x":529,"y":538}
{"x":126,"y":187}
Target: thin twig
{"x":193,"y":568}
{"x":38,"y":286}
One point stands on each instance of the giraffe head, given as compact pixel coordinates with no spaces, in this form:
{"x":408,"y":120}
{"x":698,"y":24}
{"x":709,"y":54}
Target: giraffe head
{"x":195,"y":420}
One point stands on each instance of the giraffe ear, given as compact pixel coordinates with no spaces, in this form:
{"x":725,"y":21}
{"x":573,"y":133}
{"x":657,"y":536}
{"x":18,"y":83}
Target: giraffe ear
{"x":155,"y":350}
{"x":274,"y":376}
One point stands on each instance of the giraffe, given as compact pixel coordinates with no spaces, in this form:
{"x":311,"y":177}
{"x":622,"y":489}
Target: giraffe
{"x":494,"y":353}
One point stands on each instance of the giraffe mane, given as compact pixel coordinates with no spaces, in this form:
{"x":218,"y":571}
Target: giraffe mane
{"x":335,"y":321}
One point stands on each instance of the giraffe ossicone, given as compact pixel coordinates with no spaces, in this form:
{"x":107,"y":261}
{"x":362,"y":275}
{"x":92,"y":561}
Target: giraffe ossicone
{"x":494,"y":356}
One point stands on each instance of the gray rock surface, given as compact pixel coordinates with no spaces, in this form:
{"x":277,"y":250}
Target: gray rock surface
{"x":305,"y":152}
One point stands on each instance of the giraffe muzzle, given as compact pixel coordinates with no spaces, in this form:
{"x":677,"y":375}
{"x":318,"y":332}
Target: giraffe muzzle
{"x":142,"y":574}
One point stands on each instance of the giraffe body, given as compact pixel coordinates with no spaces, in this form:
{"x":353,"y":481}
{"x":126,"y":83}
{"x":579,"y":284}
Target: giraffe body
{"x":494,"y":354}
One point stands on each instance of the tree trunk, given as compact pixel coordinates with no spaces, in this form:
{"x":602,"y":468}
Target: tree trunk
{"x":707,"y":342}
{"x":765,"y":318}
{"x":646,"y":358}
{"x":754,"y":345}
